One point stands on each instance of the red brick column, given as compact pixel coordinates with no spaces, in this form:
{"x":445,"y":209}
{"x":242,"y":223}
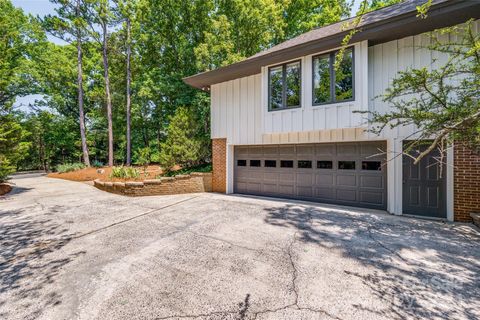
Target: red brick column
{"x":219,"y":162}
{"x":466,"y":183}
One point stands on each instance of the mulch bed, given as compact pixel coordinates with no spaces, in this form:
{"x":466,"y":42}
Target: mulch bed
{"x":5,"y":188}
{"x":90,"y":174}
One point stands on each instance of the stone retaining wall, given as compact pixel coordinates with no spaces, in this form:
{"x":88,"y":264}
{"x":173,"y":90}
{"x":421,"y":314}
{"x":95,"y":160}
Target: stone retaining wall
{"x":190,"y":183}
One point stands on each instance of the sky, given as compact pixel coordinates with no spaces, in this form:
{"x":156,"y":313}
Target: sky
{"x":44,"y":7}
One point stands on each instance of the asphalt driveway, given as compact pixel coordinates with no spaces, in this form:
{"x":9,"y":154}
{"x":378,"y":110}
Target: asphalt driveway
{"x":70,"y":251}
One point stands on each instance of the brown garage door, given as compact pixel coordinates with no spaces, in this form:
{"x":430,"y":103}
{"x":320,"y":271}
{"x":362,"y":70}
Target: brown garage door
{"x":341,"y":173}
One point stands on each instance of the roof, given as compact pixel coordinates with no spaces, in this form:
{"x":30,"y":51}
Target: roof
{"x":386,"y":24}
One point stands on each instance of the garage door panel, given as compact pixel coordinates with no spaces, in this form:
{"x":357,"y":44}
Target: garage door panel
{"x":324,"y":179}
{"x":305,"y":151}
{"x":254,"y":187}
{"x":286,"y":189}
{"x":271,"y":176}
{"x":304,"y":179}
{"x":346,"y":149}
{"x":286,"y":150}
{"x":346,"y":195}
{"x":304,"y":191}
{"x":320,"y":180}
{"x":325,"y":193}
{"x":325,"y":150}
{"x":372,"y":181}
{"x":373,"y":197}
{"x":346,"y":180}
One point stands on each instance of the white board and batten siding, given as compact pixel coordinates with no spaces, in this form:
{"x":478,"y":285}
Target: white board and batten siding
{"x":239,"y":109}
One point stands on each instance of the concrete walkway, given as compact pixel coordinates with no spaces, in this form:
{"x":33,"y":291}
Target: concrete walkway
{"x":70,"y":251}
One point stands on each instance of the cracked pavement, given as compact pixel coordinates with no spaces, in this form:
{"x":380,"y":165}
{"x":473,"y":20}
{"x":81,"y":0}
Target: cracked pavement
{"x":70,"y":251}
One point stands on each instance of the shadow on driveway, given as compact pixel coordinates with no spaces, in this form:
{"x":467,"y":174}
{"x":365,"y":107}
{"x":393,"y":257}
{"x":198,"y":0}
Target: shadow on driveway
{"x":26,"y":260}
{"x":423,"y":268}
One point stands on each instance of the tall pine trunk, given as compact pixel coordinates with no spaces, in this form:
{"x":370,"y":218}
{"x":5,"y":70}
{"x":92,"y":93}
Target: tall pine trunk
{"x":129,"y":79}
{"x":81,"y":113}
{"x":108,"y":96}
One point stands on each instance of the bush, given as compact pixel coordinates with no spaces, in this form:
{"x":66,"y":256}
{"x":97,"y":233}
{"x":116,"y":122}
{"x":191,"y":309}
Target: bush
{"x":68,"y":167}
{"x":5,"y":168}
{"x":183,"y":145}
{"x":201,"y":168}
{"x":142,"y":156}
{"x":97,"y":164}
{"x":124,"y":173}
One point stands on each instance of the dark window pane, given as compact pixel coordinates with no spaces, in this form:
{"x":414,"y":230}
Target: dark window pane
{"x":293,"y":84}
{"x":270,"y":163}
{"x":372,"y":165}
{"x":344,"y":77}
{"x":286,"y":163}
{"x":255,"y":163}
{"x":304,"y":164}
{"x":276,"y":87}
{"x":346,"y":165}
{"x":241,"y":163}
{"x":324,"y":164}
{"x":321,"y":79}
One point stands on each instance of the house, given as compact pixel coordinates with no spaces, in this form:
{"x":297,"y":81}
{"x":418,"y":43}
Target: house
{"x":283,"y":126}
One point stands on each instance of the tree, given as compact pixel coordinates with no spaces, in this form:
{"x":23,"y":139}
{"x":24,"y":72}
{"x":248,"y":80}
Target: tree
{"x":127,"y":11}
{"x":443,"y":102}
{"x":70,"y":26}
{"x":182,"y":146}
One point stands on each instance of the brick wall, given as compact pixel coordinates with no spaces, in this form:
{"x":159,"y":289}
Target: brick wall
{"x":195,"y":182}
{"x":219,"y":162}
{"x":466,"y":183}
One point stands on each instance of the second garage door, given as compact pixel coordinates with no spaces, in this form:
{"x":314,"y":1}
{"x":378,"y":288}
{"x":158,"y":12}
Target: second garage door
{"x":340,"y":173}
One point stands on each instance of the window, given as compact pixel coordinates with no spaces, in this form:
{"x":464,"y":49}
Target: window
{"x":286,"y":163}
{"x":324,"y":164}
{"x":304,"y":164}
{"x":242,"y":163}
{"x":270,"y":163}
{"x":346,"y":165}
{"x":372,"y":165}
{"x":255,"y":163}
{"x":330,"y":85}
{"x":284,"y":86}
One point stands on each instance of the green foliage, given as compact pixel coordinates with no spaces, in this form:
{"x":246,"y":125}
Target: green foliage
{"x":124,"y":173}
{"x":97,"y":164}
{"x":200,"y":168}
{"x":69,"y":167}
{"x":441,"y":102}
{"x":142,"y":156}
{"x":183,"y":146}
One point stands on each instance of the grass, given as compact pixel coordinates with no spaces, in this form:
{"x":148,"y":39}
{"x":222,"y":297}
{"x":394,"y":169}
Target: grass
{"x":200,"y":168}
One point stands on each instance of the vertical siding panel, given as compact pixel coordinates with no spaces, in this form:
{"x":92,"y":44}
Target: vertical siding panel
{"x":214,"y":119}
{"x":378,"y":76}
{"x":371,"y":77}
{"x":229,"y":111}
{"x":243,"y":109}
{"x":251,"y":110}
{"x":258,"y":109}
{"x":236,"y":112}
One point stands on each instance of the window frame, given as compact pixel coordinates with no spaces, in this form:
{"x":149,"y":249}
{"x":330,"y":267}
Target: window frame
{"x":284,"y":86}
{"x":333,"y":98}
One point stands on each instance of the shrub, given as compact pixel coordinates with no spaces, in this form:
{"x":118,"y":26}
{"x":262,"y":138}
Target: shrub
{"x":97,"y":164}
{"x":68,"y":167}
{"x":124,"y":173}
{"x":5,"y":168}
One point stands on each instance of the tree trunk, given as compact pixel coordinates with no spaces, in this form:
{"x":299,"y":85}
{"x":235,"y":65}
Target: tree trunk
{"x":129,"y":79}
{"x":108,"y":96}
{"x":81,"y":113}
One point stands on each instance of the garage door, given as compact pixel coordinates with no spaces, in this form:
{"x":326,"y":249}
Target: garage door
{"x":340,"y":173}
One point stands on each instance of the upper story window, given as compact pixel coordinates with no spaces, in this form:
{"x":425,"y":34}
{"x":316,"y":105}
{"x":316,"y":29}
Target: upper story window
{"x":284,"y":86}
{"x":330,"y":85}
